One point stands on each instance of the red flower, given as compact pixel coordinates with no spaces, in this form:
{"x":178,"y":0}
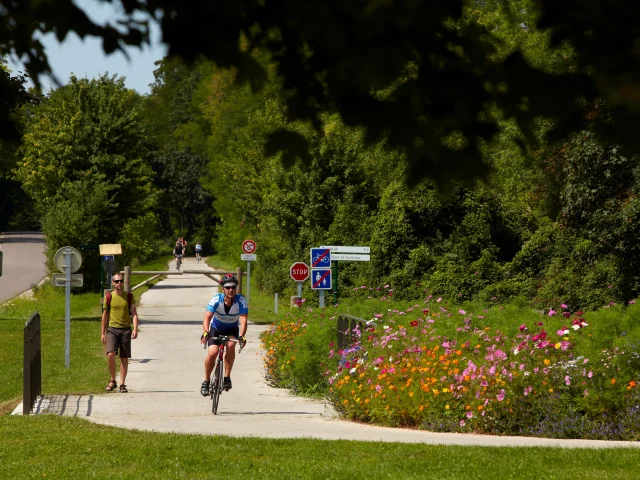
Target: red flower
{"x":414,"y":323}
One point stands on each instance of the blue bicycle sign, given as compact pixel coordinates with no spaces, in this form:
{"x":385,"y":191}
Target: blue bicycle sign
{"x":320,"y":258}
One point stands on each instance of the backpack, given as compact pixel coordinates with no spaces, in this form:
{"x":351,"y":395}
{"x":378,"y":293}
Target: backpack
{"x":107,"y":301}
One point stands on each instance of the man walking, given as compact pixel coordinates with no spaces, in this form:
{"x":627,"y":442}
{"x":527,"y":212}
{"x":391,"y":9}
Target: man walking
{"x":118,"y":315}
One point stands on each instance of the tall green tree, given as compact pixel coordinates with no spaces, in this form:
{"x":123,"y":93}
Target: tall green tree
{"x":85,"y":165}
{"x":178,"y":130}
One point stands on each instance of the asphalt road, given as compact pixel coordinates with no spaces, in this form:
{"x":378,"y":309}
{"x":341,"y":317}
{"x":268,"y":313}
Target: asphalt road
{"x":167,"y":368}
{"x":23,"y":264}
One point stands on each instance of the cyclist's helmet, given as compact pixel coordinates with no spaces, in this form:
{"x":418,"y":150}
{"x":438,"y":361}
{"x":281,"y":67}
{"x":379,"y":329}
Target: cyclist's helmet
{"x":229,"y":280}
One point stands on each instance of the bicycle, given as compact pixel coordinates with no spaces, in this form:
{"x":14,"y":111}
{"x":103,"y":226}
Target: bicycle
{"x":217,"y":374}
{"x":198,"y":256}
{"x":178,"y":262}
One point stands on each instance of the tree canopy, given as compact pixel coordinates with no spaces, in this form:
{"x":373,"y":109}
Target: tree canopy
{"x":418,"y":74}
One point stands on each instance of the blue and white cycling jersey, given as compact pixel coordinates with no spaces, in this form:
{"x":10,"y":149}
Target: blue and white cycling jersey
{"x":198,"y":247}
{"x":222,"y":321}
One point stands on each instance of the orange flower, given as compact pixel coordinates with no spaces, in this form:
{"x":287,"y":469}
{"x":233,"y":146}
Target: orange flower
{"x":613,"y":381}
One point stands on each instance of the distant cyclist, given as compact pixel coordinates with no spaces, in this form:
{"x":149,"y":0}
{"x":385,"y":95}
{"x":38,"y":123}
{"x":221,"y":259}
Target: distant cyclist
{"x":226,"y":314}
{"x":178,"y":252}
{"x":198,"y":251}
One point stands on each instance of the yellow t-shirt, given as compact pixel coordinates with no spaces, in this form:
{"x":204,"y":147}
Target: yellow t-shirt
{"x":119,"y":312}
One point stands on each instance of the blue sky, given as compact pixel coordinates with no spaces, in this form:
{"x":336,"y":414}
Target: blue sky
{"x":85,"y":58}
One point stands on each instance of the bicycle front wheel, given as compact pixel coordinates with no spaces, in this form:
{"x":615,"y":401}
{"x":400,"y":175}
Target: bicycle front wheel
{"x":216,"y":385}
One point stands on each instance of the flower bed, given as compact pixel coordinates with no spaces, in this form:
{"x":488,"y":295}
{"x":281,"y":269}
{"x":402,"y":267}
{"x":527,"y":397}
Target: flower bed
{"x":545,"y":378}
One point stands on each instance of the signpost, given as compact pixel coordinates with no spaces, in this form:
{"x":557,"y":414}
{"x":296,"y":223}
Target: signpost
{"x":248,"y":249}
{"x":68,"y":261}
{"x":299,"y":271}
{"x":348,"y":253}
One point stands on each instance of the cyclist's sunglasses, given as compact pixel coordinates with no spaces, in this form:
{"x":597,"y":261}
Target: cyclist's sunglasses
{"x":118,"y":281}
{"x":232,"y":287}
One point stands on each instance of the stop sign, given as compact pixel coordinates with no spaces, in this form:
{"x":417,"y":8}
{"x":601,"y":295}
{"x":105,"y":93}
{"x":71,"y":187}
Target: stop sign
{"x":299,"y":271}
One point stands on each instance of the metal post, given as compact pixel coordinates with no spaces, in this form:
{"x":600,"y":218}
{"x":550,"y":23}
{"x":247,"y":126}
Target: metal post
{"x":335,"y":283}
{"x":248,"y":279}
{"x":67,"y":302}
{"x":275,"y":306}
{"x":321,"y":298}
{"x":300,"y":289}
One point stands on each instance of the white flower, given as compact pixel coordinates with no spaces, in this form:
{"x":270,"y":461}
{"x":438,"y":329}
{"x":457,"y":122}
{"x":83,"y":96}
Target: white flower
{"x":386,"y":327}
{"x":390,"y":359}
{"x":353,"y":370}
{"x":526,"y":374}
{"x":516,"y":351}
{"x":575,"y":327}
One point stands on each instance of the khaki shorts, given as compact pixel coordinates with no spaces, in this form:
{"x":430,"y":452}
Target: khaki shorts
{"x":119,"y":339}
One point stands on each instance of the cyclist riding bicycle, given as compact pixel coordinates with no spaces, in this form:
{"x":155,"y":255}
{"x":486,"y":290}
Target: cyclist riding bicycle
{"x":198,"y":251}
{"x":226,"y":314}
{"x":178,"y":252}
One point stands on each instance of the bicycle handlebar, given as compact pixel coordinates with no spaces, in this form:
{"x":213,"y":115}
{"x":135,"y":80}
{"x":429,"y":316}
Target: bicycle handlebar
{"x":225,"y":338}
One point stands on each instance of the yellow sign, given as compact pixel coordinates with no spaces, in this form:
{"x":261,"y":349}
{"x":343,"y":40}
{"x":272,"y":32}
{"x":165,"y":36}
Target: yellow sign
{"x":111,"y":249}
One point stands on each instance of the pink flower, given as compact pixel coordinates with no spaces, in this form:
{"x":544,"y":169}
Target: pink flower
{"x":567,"y":380}
{"x":528,"y":390}
{"x":563,"y":331}
{"x":551,"y":313}
{"x":500,"y":396}
{"x":469,"y":414}
{"x":462,"y":423}
{"x":523,"y":328}
{"x":439,"y":300}
{"x":331,"y":353}
{"x":461,"y":312}
{"x":562,"y":305}
{"x":590,"y":374}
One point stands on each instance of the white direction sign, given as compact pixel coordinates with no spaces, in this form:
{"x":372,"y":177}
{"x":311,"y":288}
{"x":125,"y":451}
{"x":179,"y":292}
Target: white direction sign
{"x":346,"y":249}
{"x":353,"y":254}
{"x":249,"y":257}
{"x":350,"y":256}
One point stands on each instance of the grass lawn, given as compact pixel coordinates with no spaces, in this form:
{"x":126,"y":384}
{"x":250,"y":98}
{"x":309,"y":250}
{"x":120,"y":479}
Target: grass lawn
{"x":56,"y":447}
{"x":86,"y":351}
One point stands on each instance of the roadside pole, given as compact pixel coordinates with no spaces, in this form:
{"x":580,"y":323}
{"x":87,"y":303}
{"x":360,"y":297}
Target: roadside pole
{"x":67,"y":306}
{"x":68,"y":261}
{"x":248,"y":278}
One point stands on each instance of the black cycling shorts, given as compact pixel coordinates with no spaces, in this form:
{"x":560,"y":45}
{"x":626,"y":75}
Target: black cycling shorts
{"x":214,"y":335}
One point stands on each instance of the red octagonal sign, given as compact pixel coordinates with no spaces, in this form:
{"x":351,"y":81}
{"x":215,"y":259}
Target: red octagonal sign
{"x":299,"y":271}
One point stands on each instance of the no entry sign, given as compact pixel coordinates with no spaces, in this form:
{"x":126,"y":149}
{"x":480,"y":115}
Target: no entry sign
{"x":299,"y":271}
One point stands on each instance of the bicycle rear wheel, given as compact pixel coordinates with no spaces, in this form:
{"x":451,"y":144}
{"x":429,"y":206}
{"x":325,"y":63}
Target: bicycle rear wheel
{"x":216,"y":385}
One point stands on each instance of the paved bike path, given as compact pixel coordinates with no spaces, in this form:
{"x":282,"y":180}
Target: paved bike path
{"x":167,"y":368}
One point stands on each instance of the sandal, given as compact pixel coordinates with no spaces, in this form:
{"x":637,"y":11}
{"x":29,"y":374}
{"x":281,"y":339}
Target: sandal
{"x":112,"y":385}
{"x":123,"y":388}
